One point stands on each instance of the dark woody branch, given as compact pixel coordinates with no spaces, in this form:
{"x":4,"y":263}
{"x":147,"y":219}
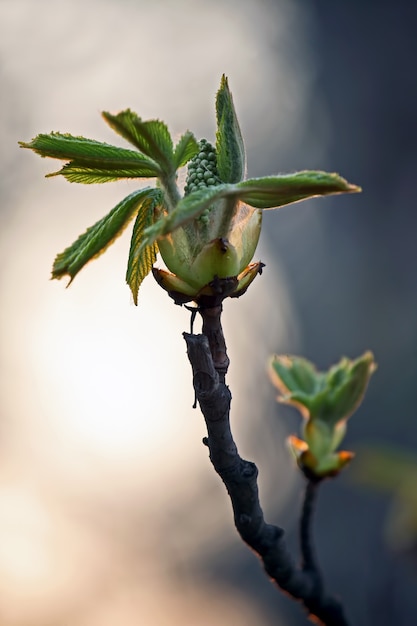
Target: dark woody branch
{"x":208,"y":357}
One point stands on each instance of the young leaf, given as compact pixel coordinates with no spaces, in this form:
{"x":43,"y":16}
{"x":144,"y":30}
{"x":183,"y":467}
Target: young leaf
{"x":291,"y":373}
{"x":124,"y":124}
{"x":274,"y":191}
{"x":262,"y":193}
{"x":99,"y":236}
{"x":151,"y":137}
{"x":186,"y":148}
{"x":86,"y":151}
{"x":76,"y":172}
{"x":187,"y":209}
{"x":230,"y":149}
{"x":141,"y":258}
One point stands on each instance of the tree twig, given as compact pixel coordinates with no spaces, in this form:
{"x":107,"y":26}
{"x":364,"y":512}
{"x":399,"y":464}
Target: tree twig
{"x":208,"y":357}
{"x":308,"y":554}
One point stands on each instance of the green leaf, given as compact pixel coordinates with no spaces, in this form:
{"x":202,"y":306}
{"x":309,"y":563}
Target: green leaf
{"x":98,"y":237}
{"x":230,"y":149}
{"x":124,"y":124}
{"x":141,"y":258}
{"x":272,"y":192}
{"x":69,"y":147}
{"x":329,"y":397}
{"x":92,"y":161}
{"x":187,"y":209}
{"x":262,"y":193}
{"x":347,"y":391}
{"x":76,"y":172}
{"x":186,"y":148}
{"x":151,"y":137}
{"x":294,"y":374}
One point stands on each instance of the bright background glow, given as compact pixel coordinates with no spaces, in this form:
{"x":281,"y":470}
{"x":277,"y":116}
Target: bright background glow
{"x":107,"y":499}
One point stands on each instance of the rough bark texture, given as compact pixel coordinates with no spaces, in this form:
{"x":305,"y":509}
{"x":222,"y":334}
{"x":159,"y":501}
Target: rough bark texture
{"x":208,"y":357}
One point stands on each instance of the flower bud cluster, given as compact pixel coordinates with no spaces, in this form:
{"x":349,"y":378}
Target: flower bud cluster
{"x":202,"y":173}
{"x":202,"y":169}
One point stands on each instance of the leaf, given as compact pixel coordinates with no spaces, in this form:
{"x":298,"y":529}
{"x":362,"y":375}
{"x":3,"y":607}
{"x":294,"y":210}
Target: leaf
{"x":92,"y":161}
{"x":292,"y":373}
{"x":151,"y":137}
{"x":230,"y":149}
{"x":98,"y":237}
{"x":275,"y":191}
{"x":188,"y":208}
{"x":141,"y":258}
{"x":347,"y":394}
{"x":262,"y":193}
{"x":76,"y":172}
{"x":124,"y":124}
{"x":68,"y":147}
{"x":186,"y":148}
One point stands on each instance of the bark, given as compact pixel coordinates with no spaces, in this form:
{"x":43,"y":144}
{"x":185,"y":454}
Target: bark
{"x":209,"y":361}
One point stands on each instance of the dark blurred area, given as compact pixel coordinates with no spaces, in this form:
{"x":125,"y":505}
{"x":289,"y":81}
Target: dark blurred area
{"x":355,"y":287}
{"x":349,"y":266}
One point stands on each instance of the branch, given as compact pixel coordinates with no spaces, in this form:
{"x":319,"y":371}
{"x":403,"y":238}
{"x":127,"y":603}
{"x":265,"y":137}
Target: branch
{"x":309,"y":559}
{"x":208,"y":357}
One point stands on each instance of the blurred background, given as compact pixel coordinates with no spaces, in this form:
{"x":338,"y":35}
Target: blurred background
{"x":110,"y":512}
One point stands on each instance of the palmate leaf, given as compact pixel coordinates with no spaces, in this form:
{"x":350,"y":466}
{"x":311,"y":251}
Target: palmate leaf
{"x":91,"y":156}
{"x":186,"y":148}
{"x":272,"y":192}
{"x":152,"y":137}
{"x":98,"y":237}
{"x":141,"y":258}
{"x":230,"y":149}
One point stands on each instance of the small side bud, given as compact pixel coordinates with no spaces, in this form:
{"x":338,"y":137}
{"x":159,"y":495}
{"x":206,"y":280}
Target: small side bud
{"x":325,"y":400}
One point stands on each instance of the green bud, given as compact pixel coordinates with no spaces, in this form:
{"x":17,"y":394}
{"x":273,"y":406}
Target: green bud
{"x":219,"y":244}
{"x":326,"y":466}
{"x":330,"y":397}
{"x":325,"y":400}
{"x":203,"y":167}
{"x":319,"y":437}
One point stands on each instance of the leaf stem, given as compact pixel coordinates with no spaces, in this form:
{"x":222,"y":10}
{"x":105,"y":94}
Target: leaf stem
{"x":172,"y":193}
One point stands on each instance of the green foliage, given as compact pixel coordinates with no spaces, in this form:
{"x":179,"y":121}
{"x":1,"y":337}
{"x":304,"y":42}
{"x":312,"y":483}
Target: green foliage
{"x":272,"y":192}
{"x":186,"y":149}
{"x":101,"y":235}
{"x":188,"y":209}
{"x":152,"y":137}
{"x":231,"y":158}
{"x":141,"y":258}
{"x":264,"y":193}
{"x":325,"y":400}
{"x":92,"y":161}
{"x":219,"y":213}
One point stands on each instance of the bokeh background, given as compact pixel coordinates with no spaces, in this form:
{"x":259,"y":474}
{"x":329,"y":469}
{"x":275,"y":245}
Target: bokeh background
{"x":110,"y":512}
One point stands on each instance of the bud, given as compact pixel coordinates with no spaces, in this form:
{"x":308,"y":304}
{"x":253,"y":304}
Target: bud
{"x":208,"y":237}
{"x":325,"y":400}
{"x":330,"y":397}
{"x":317,"y":468}
{"x":219,"y":244}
